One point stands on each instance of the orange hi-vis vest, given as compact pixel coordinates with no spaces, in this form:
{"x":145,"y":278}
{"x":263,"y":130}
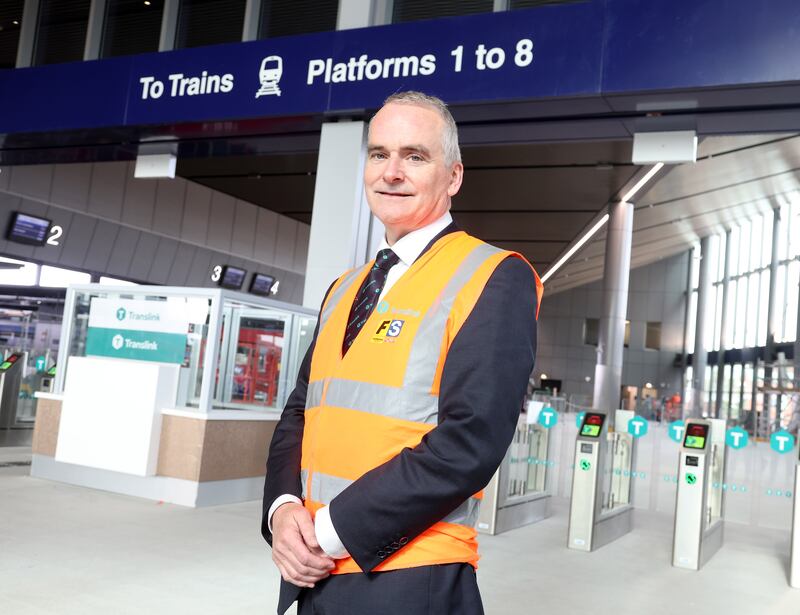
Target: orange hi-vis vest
{"x":364,"y":408}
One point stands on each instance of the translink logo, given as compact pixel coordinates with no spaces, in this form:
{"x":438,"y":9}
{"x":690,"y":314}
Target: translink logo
{"x":121,"y":313}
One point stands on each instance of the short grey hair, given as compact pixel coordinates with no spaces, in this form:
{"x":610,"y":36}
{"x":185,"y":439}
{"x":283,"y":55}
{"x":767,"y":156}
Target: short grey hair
{"x":452,"y":153}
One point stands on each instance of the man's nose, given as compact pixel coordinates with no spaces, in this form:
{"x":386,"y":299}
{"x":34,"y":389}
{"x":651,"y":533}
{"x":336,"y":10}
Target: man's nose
{"x":393,"y":171}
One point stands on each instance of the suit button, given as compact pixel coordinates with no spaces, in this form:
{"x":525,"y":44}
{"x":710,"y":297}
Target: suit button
{"x":382,"y":554}
{"x":403,"y":541}
{"x":395,"y":546}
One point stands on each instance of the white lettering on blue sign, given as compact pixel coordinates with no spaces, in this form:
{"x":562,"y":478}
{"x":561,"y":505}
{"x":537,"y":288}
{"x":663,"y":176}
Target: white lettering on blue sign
{"x":358,"y":69}
{"x":182,"y":85}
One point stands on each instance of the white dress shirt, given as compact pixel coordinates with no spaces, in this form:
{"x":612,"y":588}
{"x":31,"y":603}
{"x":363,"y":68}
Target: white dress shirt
{"x":408,"y":249}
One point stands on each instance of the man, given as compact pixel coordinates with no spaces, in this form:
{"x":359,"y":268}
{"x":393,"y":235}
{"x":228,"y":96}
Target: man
{"x":408,"y":397}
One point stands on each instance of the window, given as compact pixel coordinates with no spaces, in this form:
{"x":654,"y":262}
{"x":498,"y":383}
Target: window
{"x":289,"y":17}
{"x":414,"y":10}
{"x":61,"y":35}
{"x":116,"y":282}
{"x":591,"y":331}
{"x":209,"y":22}
{"x":17,"y":273}
{"x":131,"y":26}
{"x":10,"y":23}
{"x":652,"y":338}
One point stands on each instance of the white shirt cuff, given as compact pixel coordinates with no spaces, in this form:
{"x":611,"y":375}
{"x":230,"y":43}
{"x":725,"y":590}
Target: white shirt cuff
{"x":327,"y":537}
{"x":280,"y":501}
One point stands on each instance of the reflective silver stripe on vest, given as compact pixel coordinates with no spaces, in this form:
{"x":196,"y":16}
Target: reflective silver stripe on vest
{"x":336,"y":295}
{"x":303,"y":482}
{"x":466,"y":514}
{"x":424,"y":356}
{"x":314,"y":393}
{"x":407,"y":403}
{"x":325,"y":487}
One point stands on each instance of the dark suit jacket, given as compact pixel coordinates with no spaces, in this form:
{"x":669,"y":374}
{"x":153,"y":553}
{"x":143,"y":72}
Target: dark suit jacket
{"x":482,"y":389}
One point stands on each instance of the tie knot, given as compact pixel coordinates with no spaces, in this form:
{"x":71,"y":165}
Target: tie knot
{"x":386,"y":259}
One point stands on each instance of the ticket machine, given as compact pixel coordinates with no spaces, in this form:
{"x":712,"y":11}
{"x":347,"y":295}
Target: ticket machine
{"x":794,"y":565}
{"x":601,"y":508}
{"x":698,"y":532}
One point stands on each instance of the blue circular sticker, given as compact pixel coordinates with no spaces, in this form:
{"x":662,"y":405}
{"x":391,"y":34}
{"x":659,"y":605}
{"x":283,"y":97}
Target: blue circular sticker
{"x":675,"y":430}
{"x":736,"y":437}
{"x":548,"y":417}
{"x":637,"y":426}
{"x":782,"y":441}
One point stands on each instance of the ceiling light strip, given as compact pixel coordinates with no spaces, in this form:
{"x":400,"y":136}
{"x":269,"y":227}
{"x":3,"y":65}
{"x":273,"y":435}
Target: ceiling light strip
{"x":587,"y":236}
{"x":647,"y":177}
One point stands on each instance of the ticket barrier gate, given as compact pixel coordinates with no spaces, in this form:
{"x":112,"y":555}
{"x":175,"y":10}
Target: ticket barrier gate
{"x":601,"y":507}
{"x":794,"y":565}
{"x":11,"y":372}
{"x":698,"y":532}
{"x":518,"y":494}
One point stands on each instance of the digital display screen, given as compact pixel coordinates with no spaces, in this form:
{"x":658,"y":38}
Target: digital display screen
{"x":696,"y":435}
{"x":51,"y":371}
{"x":10,"y":360}
{"x":592,"y":424}
{"x":262,"y":284}
{"x":232,"y":277}
{"x":28,"y":229}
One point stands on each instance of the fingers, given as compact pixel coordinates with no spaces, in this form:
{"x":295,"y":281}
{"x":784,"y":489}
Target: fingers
{"x":295,"y":560}
{"x":306,"y":527}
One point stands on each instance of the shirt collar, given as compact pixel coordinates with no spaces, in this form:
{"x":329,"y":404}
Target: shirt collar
{"x":409,"y":247}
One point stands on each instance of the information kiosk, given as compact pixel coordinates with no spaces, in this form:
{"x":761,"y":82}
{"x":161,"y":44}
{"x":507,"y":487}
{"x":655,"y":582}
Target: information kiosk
{"x":601,"y":508}
{"x":794,"y":566}
{"x":699,"y":503}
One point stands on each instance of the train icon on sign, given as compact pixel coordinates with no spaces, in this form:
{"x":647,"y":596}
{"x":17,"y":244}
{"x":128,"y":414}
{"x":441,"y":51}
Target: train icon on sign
{"x":270,"y":74}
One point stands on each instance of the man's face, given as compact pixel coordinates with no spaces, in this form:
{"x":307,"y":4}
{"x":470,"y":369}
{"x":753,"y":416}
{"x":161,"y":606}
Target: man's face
{"x":407,"y":182}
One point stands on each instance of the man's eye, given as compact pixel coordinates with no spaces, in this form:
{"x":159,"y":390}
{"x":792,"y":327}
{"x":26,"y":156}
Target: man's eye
{"x":377,"y":155}
{"x":416,"y":158}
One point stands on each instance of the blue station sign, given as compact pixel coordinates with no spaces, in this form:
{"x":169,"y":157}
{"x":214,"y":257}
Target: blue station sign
{"x":586,"y":48}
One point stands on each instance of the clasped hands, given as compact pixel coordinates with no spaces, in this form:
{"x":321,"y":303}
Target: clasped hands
{"x":295,"y":549}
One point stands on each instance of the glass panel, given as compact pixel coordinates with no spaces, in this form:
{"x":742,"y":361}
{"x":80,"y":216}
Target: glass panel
{"x":209,"y":22}
{"x":653,"y":336}
{"x":716,"y":478}
{"x":736,"y":392}
{"x":751,"y":328}
{"x":61,"y":35}
{"x":10,"y":23}
{"x":414,"y":10}
{"x":290,"y":17}
{"x":730,"y":319}
{"x":717,"y":329}
{"x":766,"y":242}
{"x":763,"y":308}
{"x":131,"y":26}
{"x":744,"y":253}
{"x":591,"y":331}
{"x":741,"y":313}
{"x":794,"y":226}
{"x":754,"y":260}
{"x":621,"y":447}
{"x":789,"y":333}
{"x":735,"y":250}
{"x":254,"y":367}
{"x":56,"y":277}
{"x":527,"y":470}
{"x":17,"y":273}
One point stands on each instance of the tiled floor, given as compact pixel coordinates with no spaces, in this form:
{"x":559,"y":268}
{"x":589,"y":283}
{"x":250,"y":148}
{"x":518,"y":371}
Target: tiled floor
{"x":68,"y":550}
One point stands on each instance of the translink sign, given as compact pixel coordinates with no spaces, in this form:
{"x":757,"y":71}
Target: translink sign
{"x":139,"y":330}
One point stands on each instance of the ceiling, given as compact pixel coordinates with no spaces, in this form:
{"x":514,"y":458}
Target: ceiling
{"x":539,"y":198}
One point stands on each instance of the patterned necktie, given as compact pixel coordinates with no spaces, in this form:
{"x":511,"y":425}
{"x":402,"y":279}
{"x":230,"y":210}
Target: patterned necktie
{"x":368,"y":294}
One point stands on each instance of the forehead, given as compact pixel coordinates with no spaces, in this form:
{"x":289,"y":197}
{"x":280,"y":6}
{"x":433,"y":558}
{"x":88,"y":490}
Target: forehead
{"x":406,"y":123}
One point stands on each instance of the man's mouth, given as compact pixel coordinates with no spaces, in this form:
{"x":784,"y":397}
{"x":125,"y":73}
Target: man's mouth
{"x":393,"y":194}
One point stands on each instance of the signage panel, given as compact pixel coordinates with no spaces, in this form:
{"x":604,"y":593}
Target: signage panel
{"x":136,"y":329}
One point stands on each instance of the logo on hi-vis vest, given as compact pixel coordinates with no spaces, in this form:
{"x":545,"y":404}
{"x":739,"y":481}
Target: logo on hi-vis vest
{"x":388,"y":331}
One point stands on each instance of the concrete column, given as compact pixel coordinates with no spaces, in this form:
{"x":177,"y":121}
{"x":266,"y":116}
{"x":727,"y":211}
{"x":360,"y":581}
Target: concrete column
{"x":355,"y":14}
{"x":27,"y":33}
{"x":700,"y":358}
{"x":344,"y":234}
{"x":94,"y":29}
{"x":723,"y":342}
{"x":169,"y":25}
{"x":616,"y":274}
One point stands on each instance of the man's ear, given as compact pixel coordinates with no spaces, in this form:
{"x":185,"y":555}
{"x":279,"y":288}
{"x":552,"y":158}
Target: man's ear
{"x":456,"y":177}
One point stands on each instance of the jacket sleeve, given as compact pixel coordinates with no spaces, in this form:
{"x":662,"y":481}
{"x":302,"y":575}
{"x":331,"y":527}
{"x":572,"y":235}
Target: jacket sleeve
{"x":481,"y":393}
{"x":285,"y":450}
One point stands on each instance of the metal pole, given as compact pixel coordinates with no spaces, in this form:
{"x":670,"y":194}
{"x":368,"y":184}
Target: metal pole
{"x":770,"y":399}
{"x":700,"y":358}
{"x":723,"y":341}
{"x":685,"y":354}
{"x":616,"y":273}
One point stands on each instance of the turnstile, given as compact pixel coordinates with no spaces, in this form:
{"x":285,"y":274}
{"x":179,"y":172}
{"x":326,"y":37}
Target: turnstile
{"x":601,"y":507}
{"x":698,"y":532}
{"x":11,"y":369}
{"x":794,"y":565}
{"x":518,"y":494}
